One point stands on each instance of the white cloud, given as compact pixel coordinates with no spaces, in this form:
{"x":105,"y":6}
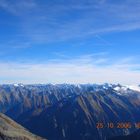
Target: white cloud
{"x":17,"y":7}
{"x":70,"y":71}
{"x":46,"y":22}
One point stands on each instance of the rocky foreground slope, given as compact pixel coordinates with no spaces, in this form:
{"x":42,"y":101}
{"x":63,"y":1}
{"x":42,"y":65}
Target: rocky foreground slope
{"x":10,"y":130}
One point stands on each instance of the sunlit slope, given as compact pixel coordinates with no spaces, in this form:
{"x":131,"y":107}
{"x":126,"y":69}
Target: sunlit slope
{"x":10,"y":130}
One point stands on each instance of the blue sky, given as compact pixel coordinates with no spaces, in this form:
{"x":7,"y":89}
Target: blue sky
{"x":68,"y":41}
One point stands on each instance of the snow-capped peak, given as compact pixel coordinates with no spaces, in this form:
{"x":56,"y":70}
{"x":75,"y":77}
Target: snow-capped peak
{"x":117,"y":88}
{"x":124,"y":88}
{"x":17,"y":85}
{"x":106,"y":86}
{"x":134,"y":87}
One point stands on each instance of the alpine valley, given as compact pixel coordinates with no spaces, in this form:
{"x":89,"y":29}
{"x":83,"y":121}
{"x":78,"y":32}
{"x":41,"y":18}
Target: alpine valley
{"x":73,"y":112}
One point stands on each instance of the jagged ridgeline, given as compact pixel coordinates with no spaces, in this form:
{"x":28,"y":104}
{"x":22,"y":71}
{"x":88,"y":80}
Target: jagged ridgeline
{"x":71,"y":112}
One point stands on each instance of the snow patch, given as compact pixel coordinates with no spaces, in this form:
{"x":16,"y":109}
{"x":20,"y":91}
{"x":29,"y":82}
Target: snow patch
{"x":16,"y":85}
{"x":134,"y":87}
{"x":117,"y":88}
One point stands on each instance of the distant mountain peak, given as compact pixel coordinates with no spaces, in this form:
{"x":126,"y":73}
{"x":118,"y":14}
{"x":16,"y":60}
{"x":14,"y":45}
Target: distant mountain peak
{"x":18,"y":85}
{"x":134,"y":87}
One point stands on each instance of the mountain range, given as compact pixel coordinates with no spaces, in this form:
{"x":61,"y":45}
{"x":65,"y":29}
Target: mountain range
{"x":72,"y":112}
